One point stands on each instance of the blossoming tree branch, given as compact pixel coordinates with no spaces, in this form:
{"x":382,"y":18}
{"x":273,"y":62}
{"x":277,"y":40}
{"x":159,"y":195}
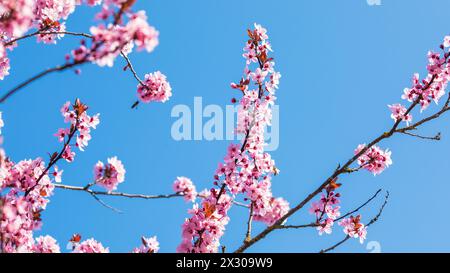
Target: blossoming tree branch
{"x":246,"y":171}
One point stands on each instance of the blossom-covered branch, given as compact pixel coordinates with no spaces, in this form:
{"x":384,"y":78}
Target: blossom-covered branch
{"x":422,"y":93}
{"x":247,"y":168}
{"x":28,"y":184}
{"x":106,"y":41}
{"x":352,"y":226}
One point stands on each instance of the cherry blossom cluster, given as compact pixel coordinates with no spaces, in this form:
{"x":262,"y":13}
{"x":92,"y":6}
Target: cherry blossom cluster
{"x":354,"y":228}
{"x":120,"y":30}
{"x":247,"y":168}
{"x":398,"y":112}
{"x":374,"y":159}
{"x":202,"y":232}
{"x":89,"y":246}
{"x":49,"y":14}
{"x":109,"y":175}
{"x":327,"y":212}
{"x":46,"y":244}
{"x":28,"y":184}
{"x":19,"y":16}
{"x":429,"y":89}
{"x":27,"y":187}
{"x":185,"y":186}
{"x":149,"y":245}
{"x":326,"y":209}
{"x":155,"y":88}
{"x":115,"y":38}
{"x":4,"y":63}
{"x":80,"y":126}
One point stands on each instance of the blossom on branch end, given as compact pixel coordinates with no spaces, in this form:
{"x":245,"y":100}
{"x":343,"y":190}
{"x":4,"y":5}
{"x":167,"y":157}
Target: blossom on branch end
{"x":354,"y":228}
{"x":185,"y":186}
{"x":374,"y":159}
{"x":110,"y":175}
{"x":155,"y":88}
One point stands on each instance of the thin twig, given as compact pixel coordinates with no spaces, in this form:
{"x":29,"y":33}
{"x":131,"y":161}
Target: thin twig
{"x":135,"y":75}
{"x":297,"y":226}
{"x":360,"y":207}
{"x":58,"y":68}
{"x":44,"y":32}
{"x":113,"y":193}
{"x":436,"y":137}
{"x":105,"y":204}
{"x":129,"y":195}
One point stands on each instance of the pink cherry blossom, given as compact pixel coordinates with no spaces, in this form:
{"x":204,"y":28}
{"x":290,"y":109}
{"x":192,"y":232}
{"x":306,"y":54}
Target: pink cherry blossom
{"x":201,"y":232}
{"x":399,"y":113}
{"x":185,"y":186}
{"x":259,"y":75}
{"x":433,"y":86}
{"x":4,"y":67}
{"x":46,"y":244}
{"x":57,"y":174}
{"x":49,"y":14}
{"x":354,"y":228}
{"x":149,"y":245}
{"x":90,"y":246}
{"x":145,"y":36}
{"x":68,"y":155}
{"x":156,"y":88}
{"x":374,"y":159}
{"x":446,"y":41}
{"x":112,"y":39}
{"x":80,"y":122}
{"x":19,"y":22}
{"x":326,"y":210}
{"x":326,"y":226}
{"x":20,"y":212}
{"x":62,"y":134}
{"x":109,"y":175}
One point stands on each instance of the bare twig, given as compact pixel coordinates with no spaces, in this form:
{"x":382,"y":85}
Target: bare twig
{"x":248,"y":234}
{"x":113,"y":193}
{"x":44,"y":32}
{"x":129,"y":195}
{"x":135,"y":75}
{"x":296,"y":226}
{"x":436,"y":137}
{"x":105,"y":204}
{"x":360,"y":207}
{"x":368,"y":224}
{"x":58,"y":68}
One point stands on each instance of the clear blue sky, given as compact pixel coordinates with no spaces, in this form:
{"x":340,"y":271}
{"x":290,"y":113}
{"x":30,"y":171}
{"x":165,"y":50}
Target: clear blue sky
{"x":342,"y":62}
